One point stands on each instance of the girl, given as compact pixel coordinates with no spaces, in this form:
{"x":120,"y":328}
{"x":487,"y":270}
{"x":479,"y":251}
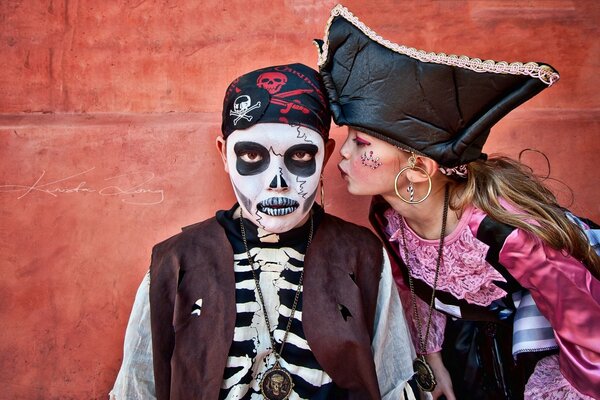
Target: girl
{"x":501,"y":282}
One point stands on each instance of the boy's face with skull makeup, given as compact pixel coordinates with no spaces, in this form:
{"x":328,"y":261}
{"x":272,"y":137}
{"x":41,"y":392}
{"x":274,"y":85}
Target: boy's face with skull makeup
{"x":274,"y":169}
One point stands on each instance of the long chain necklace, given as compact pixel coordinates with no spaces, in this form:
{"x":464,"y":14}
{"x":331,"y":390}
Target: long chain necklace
{"x":276,"y":383}
{"x":424,"y":374}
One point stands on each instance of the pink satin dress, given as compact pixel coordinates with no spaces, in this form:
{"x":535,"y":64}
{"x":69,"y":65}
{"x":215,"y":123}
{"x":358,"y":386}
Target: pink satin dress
{"x":565,"y":292}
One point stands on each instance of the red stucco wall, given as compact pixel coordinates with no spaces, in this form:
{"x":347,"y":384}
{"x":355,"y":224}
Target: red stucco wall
{"x":108,"y":114}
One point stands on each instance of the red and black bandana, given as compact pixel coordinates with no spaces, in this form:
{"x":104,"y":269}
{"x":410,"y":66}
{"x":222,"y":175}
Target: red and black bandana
{"x":285,"y":94}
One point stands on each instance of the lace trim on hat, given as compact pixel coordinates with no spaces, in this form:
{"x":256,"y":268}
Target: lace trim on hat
{"x":544,"y":73}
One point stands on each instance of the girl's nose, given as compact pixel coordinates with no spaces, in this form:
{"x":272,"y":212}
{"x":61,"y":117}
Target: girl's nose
{"x":345,"y":149}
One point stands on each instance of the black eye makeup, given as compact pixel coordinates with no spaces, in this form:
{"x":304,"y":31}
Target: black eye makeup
{"x":300,"y":159}
{"x":252,"y":158}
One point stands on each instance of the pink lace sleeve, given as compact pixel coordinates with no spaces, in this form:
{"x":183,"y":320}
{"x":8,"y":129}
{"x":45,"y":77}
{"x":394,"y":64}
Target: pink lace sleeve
{"x":436,"y":329}
{"x":438,"y":319}
{"x":547,"y":383}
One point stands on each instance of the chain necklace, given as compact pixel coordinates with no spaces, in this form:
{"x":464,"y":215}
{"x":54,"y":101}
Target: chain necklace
{"x":276,"y":383}
{"x":424,"y":374}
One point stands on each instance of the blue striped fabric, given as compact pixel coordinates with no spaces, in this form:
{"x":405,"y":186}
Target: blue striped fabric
{"x":593,"y":235}
{"x":531,"y":330}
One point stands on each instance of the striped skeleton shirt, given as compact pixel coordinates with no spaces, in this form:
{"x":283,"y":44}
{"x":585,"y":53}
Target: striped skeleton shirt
{"x":278,"y":262}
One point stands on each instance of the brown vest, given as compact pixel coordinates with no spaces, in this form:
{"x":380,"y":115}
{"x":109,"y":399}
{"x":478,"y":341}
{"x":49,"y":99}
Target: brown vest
{"x":342,"y":268}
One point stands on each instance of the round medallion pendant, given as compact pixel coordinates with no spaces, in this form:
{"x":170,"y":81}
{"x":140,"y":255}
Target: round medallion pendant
{"x":276,"y":383}
{"x":424,"y":375}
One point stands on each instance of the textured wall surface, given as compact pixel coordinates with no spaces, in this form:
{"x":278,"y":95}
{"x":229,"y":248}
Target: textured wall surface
{"x":108,"y":115}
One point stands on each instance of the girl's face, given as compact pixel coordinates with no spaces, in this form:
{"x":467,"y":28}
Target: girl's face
{"x":369,"y":165}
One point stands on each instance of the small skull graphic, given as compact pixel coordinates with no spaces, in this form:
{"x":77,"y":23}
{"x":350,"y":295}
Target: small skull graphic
{"x":241,"y":103}
{"x":271,"y":81}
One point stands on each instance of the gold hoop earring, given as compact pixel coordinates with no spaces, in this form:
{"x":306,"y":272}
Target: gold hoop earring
{"x":322,"y":192}
{"x":411,"y":165}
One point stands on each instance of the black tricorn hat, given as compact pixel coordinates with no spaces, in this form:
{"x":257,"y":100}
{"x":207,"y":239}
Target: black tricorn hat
{"x":437,"y":105}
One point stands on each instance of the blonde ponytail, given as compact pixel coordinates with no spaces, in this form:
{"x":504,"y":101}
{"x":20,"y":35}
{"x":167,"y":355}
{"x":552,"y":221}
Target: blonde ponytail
{"x":503,"y":178}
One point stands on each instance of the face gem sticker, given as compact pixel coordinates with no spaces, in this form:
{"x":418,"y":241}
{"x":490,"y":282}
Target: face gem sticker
{"x":368,"y":160}
{"x":275,"y":170}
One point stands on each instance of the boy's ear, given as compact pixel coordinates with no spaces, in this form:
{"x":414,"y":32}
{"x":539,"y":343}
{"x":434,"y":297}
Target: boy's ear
{"x":222,"y":149}
{"x":329,"y":148}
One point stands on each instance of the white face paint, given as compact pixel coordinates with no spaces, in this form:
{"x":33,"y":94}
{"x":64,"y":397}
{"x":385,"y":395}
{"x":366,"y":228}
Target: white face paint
{"x":275,"y":170}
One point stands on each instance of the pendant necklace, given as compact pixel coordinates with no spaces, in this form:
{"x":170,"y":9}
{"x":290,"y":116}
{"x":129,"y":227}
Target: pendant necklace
{"x":276,"y":383}
{"x":424,"y":374}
